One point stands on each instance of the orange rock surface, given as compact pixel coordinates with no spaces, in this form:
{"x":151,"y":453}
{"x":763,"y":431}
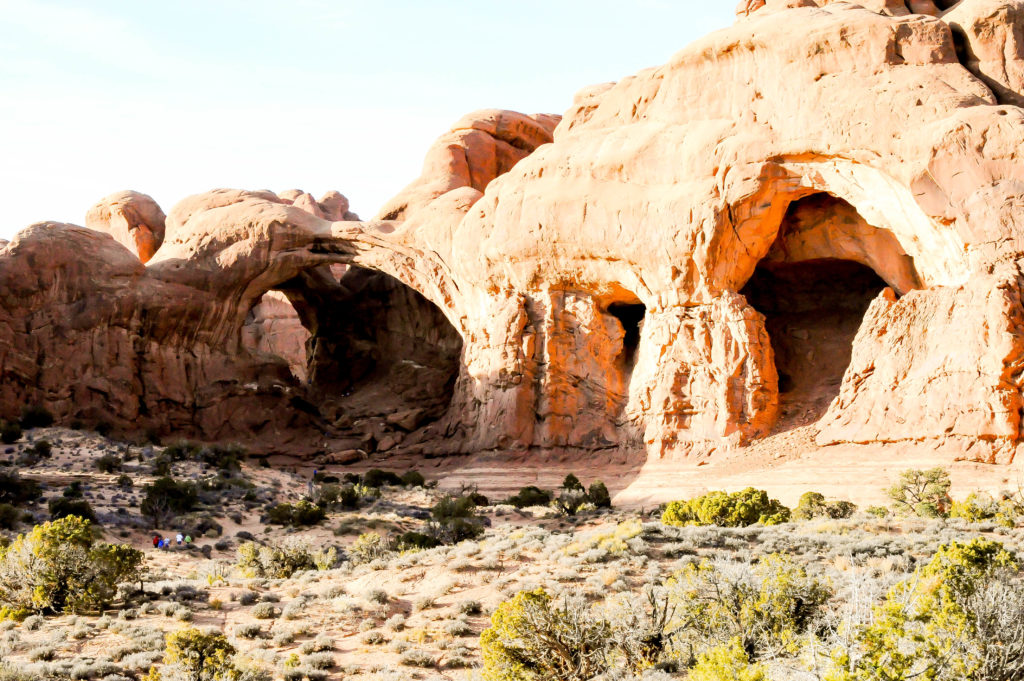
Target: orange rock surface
{"x":812,"y":220}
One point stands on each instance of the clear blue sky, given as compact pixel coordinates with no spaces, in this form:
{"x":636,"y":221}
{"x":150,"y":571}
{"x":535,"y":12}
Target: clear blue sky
{"x":173,"y":98}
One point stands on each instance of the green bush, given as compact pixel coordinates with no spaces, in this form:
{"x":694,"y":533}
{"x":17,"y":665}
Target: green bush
{"x":43,"y":449}
{"x":416,"y":541}
{"x":194,"y":655}
{"x":598,"y":495}
{"x":59,"y":566}
{"x":36,"y":416}
{"x":767,"y":607}
{"x":108,"y":463}
{"x":368,"y":547}
{"x":958,"y":617}
{"x":923,"y":493}
{"x":454,"y":519}
{"x":9,"y":432}
{"x":378,"y":478}
{"x":738,"y":509}
{"x":726,"y":662}
{"x":300,"y":514}
{"x":413,"y":479}
{"x":62,"y":507}
{"x":282,"y":561}
{"x":814,"y":505}
{"x":9,"y":517}
{"x":165,"y":499}
{"x":571,"y":482}
{"x":533,"y":637}
{"x":530,"y":496}
{"x":16,"y":490}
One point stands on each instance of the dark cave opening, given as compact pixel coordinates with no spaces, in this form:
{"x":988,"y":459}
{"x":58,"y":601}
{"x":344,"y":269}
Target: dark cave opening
{"x":376,"y":349}
{"x":631,"y":316}
{"x":812,"y":310}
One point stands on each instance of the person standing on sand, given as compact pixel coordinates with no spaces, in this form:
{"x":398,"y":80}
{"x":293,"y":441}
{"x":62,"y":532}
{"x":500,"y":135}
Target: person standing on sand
{"x":180,"y":538}
{"x":188,"y":539}
{"x":156,"y":541}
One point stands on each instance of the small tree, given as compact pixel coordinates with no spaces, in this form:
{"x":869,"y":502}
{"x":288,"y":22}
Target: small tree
{"x":598,"y":495}
{"x":534,"y":637}
{"x":59,"y":566}
{"x":766,"y":607}
{"x":166,"y":498}
{"x":571,"y":482}
{"x":814,"y":505}
{"x":9,"y":432}
{"x":924,"y":493}
{"x":454,"y":519}
{"x":194,"y":655}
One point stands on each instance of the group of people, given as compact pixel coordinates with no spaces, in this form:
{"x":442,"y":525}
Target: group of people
{"x":160,"y":543}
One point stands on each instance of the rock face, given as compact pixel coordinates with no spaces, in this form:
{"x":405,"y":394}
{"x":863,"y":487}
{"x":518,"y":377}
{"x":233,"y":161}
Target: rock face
{"x":133,"y":219}
{"x":829,"y":236}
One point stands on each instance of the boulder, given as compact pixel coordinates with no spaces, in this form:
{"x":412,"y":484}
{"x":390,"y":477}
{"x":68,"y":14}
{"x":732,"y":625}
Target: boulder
{"x":133,"y":219}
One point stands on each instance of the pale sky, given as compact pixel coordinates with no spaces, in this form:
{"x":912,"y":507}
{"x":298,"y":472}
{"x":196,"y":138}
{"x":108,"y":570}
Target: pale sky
{"x":174,"y":98}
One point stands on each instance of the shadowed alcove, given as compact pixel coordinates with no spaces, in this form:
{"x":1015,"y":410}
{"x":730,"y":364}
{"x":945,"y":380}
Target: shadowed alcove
{"x":814,"y":287}
{"x":373,"y":348}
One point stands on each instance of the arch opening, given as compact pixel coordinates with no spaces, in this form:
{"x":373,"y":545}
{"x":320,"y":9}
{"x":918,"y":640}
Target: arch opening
{"x":378,"y":358}
{"x":813,"y":287}
{"x":631,"y":317}
{"x":272,"y":327}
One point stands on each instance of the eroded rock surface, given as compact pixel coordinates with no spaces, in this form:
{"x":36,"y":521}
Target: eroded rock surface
{"x":133,"y":219}
{"x":828,"y":239}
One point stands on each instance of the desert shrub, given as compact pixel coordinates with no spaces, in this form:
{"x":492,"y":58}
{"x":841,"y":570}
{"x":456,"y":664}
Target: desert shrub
{"x":9,"y":517}
{"x":368,"y":547}
{"x":571,"y":482}
{"x":378,"y":478}
{"x":960,"y":616}
{"x":125,"y":482}
{"x":726,"y":662}
{"x":980,"y":507}
{"x":299,"y":514}
{"x":59,"y":566}
{"x":416,"y":658}
{"x":921,"y":492}
{"x":598,"y":495}
{"x":42,"y":449}
{"x":276,"y":562}
{"x":195,"y":655}
{"x":413,"y":479}
{"x":264,"y":611}
{"x":766,"y":606}
{"x":343,"y":496}
{"x":738,"y":509}
{"x":62,"y":507}
{"x":530,"y":496}
{"x":166,"y":498}
{"x":534,"y":637}
{"x":416,"y":541}
{"x":108,"y":463}
{"x":814,"y":505}
{"x":569,"y":501}
{"x":454,"y":519}
{"x":9,"y":432}
{"x":16,"y":490}
{"x":36,"y":416}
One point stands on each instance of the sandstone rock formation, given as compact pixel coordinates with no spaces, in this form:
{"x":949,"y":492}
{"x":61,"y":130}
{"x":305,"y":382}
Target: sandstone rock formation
{"x":829,"y":236}
{"x":133,"y":219}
